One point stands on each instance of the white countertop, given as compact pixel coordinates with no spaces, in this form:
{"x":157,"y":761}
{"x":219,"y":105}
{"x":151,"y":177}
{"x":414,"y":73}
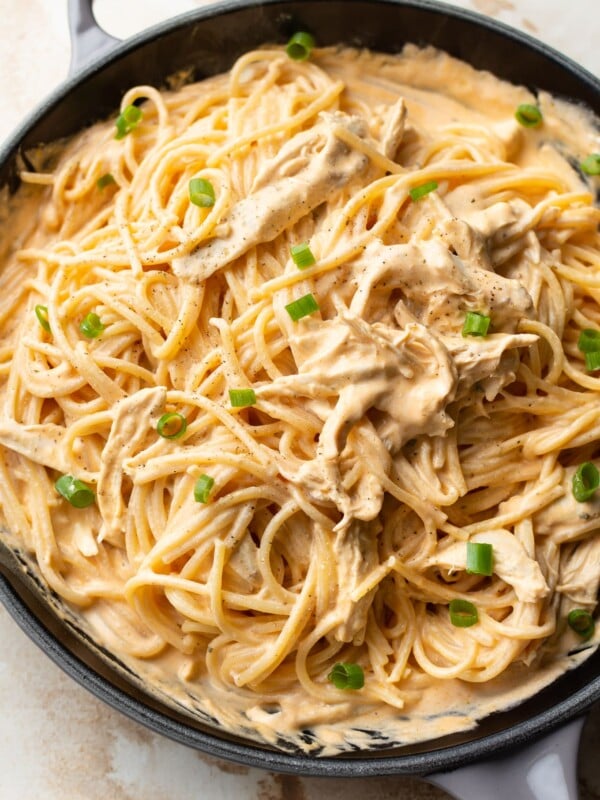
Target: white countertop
{"x":57,"y":742}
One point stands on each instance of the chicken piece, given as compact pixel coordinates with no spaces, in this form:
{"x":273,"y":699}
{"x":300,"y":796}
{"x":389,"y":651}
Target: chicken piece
{"x":579,"y":574}
{"x":490,"y":362}
{"x":393,"y":130}
{"x":132,"y":419}
{"x":440,"y":280}
{"x":511,"y":563}
{"x":355,"y":550}
{"x":406,"y":374}
{"x":42,"y":444}
{"x":438,"y":286}
{"x":243,"y":562}
{"x":327,"y":479}
{"x":511,"y":134}
{"x":498,"y":217}
{"x":395,"y":381}
{"x":566,"y":519}
{"x":308,"y":170}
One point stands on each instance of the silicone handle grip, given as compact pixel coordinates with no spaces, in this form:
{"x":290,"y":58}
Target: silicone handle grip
{"x":88,"y":39}
{"x":544,"y":770}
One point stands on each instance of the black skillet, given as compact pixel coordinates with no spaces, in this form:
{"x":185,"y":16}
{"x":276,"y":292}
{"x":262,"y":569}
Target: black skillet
{"x":524,"y":753}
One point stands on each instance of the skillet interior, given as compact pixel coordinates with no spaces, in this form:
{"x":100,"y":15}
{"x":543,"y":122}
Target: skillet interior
{"x":208,"y":41}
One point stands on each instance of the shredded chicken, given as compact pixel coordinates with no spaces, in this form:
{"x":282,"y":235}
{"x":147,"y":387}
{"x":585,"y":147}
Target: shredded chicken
{"x":307,"y":171}
{"x":566,"y":519}
{"x":43,"y":444}
{"x":405,"y":375}
{"x":393,"y":131}
{"x":438,"y":285}
{"x":511,"y":563}
{"x":355,"y":550}
{"x":579,"y":574}
{"x":489,"y":362}
{"x":131,"y":421}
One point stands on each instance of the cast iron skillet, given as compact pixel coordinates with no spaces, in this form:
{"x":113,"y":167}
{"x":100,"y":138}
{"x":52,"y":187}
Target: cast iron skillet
{"x":545,"y":728}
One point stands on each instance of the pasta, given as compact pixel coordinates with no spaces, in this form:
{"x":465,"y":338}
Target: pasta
{"x":294,"y":395}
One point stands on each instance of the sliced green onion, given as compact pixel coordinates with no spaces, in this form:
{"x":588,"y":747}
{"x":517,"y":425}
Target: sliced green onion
{"x":462,"y":613}
{"x":528,"y":115}
{"x":592,"y":361}
{"x":171,"y":425}
{"x":582,"y":622}
{"x":203,"y":488}
{"x":105,"y":180}
{"x":589,"y":340}
{"x":239,"y":398}
{"x":476,"y":324}
{"x":202,"y":192}
{"x":300,"y":45}
{"x":127,"y":120}
{"x":91,"y":325}
{"x":347,"y":676}
{"x":41,"y":313}
{"x":480,"y":558}
{"x":302,"y":255}
{"x":417,"y":192}
{"x":591,"y":164}
{"x":586,"y":480}
{"x":302,"y":307}
{"x":75,"y":491}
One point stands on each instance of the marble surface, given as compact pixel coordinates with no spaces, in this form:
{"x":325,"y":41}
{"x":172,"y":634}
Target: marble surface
{"x":57,"y":742}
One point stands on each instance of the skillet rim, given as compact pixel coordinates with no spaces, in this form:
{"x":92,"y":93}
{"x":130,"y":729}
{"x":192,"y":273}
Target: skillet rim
{"x":253,"y":754}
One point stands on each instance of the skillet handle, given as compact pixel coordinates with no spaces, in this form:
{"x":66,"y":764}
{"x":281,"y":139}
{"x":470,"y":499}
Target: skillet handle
{"x":544,"y":770}
{"x":87,"y":37}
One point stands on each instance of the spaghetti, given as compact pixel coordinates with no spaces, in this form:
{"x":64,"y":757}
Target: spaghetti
{"x":292,"y":400}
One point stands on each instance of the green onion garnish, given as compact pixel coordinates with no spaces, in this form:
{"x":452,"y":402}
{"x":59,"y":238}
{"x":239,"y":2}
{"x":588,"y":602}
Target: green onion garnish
{"x":302,"y":307}
{"x":591,"y":164}
{"x":203,"y":488}
{"x":476,"y":324}
{"x":302,"y":255}
{"x":239,"y":398}
{"x":417,"y":192}
{"x":171,"y":425}
{"x":462,"y":613}
{"x":105,"y":180}
{"x":347,"y":676}
{"x":528,"y":115}
{"x":91,"y":325}
{"x":127,"y":120}
{"x":480,"y":558}
{"x":582,"y":622}
{"x":300,"y":46}
{"x":41,"y":313}
{"x":75,"y":491}
{"x":586,"y":480}
{"x":202,"y":192}
{"x":592,"y":361}
{"x":589,"y":340}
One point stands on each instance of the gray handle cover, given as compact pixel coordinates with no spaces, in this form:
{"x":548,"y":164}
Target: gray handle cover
{"x":88,"y":39}
{"x":545,"y":770}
